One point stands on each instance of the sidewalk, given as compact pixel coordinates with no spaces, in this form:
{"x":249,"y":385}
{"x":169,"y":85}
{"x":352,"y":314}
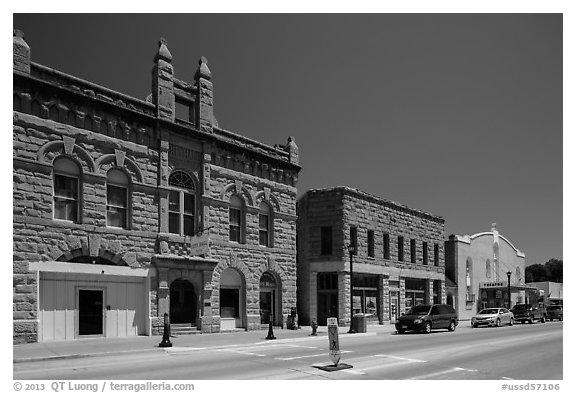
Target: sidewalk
{"x":90,"y":347}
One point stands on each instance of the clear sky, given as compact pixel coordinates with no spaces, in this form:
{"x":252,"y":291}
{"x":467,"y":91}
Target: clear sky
{"x":458,"y":115}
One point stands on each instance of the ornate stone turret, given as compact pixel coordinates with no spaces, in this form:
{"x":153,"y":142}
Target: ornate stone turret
{"x":163,"y":83}
{"x":292,"y":149}
{"x":21,"y":53}
{"x":204,"y":97}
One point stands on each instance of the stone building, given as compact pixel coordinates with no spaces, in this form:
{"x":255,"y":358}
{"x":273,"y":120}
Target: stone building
{"x":126,"y":209}
{"x":479,"y":264}
{"x":398,"y":262}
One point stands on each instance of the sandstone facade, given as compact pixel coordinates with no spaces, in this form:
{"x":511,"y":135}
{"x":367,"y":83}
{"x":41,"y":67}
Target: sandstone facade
{"x":68,"y":269}
{"x":387,"y":278}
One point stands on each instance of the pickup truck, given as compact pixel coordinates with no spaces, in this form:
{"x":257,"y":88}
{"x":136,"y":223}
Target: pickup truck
{"x":529,"y":313}
{"x":554,"y":312}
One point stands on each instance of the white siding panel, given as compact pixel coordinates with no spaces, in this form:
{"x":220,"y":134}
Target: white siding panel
{"x":131,"y":303}
{"x":121,"y":307}
{"x":60,"y":312}
{"x":58,"y":304}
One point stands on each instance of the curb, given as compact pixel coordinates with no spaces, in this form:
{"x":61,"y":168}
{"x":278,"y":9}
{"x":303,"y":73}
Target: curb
{"x":80,"y":356}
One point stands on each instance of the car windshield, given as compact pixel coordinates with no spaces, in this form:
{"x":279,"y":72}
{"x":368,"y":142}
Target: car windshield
{"x":489,"y":311}
{"x":419,"y":310}
{"x":554,"y":307}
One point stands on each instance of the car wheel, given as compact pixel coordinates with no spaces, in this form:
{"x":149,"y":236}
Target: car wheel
{"x":543,"y":319}
{"x":400,"y":331}
{"x":427,"y":328}
{"x":531,"y":320}
{"x":498,"y":322}
{"x":560,"y":318}
{"x":511,"y":322}
{"x":452,"y":326}
{"x":474,"y":326}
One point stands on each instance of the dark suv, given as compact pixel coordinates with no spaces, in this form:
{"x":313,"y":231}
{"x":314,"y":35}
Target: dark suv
{"x":425,"y":317}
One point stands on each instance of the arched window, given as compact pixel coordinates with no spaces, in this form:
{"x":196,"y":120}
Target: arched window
{"x":468,"y":272}
{"x":117,"y":199}
{"x":66,"y":180}
{"x":181,"y":204}
{"x":487,"y":268}
{"x":265,"y":225}
{"x":236,"y":219}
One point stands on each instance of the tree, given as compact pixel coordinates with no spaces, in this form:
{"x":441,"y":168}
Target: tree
{"x":535,"y":273}
{"x":550,"y":271}
{"x":554,"y":270}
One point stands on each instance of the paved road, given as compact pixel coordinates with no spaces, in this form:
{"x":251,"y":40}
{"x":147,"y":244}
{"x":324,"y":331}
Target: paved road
{"x":525,"y":352}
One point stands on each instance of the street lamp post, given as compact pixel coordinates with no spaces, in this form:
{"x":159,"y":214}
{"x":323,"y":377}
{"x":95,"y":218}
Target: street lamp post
{"x":509,"y":296}
{"x":351,"y":251}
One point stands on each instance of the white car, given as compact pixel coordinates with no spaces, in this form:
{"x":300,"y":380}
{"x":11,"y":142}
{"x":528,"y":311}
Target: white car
{"x":493,"y":317}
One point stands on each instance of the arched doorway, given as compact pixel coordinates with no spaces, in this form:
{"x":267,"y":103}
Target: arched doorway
{"x":182,"y":302}
{"x":232,"y":300}
{"x":269,"y":300}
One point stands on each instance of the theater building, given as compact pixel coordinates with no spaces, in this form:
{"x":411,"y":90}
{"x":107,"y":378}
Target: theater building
{"x":398,"y":260}
{"x":479,"y":265}
{"x":127,"y":209}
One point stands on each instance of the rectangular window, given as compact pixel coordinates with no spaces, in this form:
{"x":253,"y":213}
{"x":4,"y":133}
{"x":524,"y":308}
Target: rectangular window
{"x":65,"y":198}
{"x":327,"y":281}
{"x":354,"y":239}
{"x":412,"y":250}
{"x":386,"y":246}
{"x":117,"y":206}
{"x":174,"y":212}
{"x":371,"y":243}
{"x":188,"y":214}
{"x":425,"y":253}
{"x":264,"y":231}
{"x":326,"y":241}
{"x":436,"y":254}
{"x":401,"y":248}
{"x":234,"y":225}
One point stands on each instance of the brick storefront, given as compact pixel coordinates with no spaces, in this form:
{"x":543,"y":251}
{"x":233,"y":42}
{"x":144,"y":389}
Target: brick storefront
{"x":388,"y":278}
{"x":110,"y":192}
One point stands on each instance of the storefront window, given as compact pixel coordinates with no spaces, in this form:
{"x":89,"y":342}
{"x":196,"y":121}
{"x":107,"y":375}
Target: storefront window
{"x":366,"y":295}
{"x":229,"y":302}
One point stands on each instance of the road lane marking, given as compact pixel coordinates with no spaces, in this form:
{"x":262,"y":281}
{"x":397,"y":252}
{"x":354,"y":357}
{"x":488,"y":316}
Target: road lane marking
{"x":309,"y":356}
{"x":438,"y":373}
{"x":351,"y":371}
{"x":385,"y":365}
{"x":402,"y":358}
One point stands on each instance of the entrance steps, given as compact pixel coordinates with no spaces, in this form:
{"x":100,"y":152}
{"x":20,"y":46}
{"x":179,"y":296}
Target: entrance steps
{"x":181,"y":329}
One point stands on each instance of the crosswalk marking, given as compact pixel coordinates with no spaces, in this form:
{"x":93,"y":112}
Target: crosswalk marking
{"x":310,"y":356}
{"x":241,"y":352}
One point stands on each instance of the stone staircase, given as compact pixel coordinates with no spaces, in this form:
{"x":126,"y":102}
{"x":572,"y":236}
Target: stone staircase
{"x":180,"y":329}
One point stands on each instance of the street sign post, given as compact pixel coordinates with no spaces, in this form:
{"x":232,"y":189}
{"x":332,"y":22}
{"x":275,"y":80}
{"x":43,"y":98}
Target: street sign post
{"x":333,"y":340}
{"x":334,"y":348}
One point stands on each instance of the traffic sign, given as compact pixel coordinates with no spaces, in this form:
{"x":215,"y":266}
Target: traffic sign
{"x":333,"y":340}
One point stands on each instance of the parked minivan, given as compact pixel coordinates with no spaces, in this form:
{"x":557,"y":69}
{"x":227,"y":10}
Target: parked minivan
{"x":425,"y":317}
